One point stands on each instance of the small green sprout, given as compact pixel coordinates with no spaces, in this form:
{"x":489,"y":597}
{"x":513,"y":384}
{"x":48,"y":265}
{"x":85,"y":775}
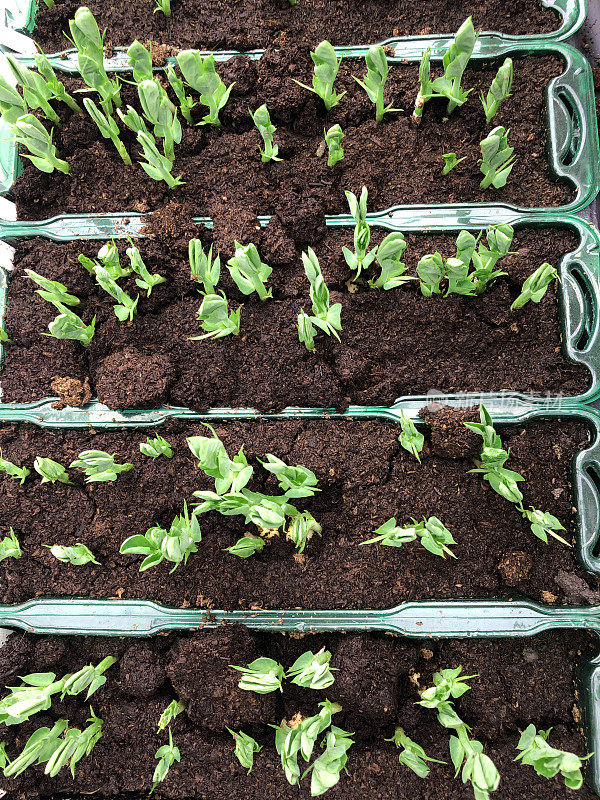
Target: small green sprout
{"x":202,"y":266}
{"x":90,"y":678}
{"x":140,"y":61}
{"x":213,"y":460}
{"x":325,"y":72}
{"x":301,"y":529}
{"x":164,"y":6}
{"x":10,"y":547}
{"x":327,"y":768}
{"x":89,"y":43}
{"x":430,"y":271}
{"x":450,"y":161}
{"x":499,"y":90}
{"x":411,"y":439}
{"x":185,"y":101}
{"x":245,"y":747}
{"x":153,"y":448}
{"x":535,"y":286}
{"x":3,"y":335}
{"x":134,"y":121}
{"x":249,"y":272}
{"x":548,"y":761}
{"x":74,"y":746}
{"x":454,"y":63}
{"x":126,"y":306}
{"x":497,"y":158}
{"x":161,"y":114}
{"x":44,"y":67}
{"x":30,"y":133}
{"x":216,"y":319}
{"x":36,"y":91}
{"x":333,"y":140}
{"x":361,"y":258}
{"x":157,"y":544}
{"x":109,"y":259}
{"x":201,"y":75}
{"x":389,"y":254}
{"x":173,"y":710}
{"x":51,"y":471}
{"x":167,"y":755}
{"x":412,"y":756}
{"x":324,"y":317}
{"x":18,"y":473}
{"x":52,"y":291}
{"x":107,"y":127}
{"x":312,"y":670}
{"x":67,"y":325}
{"x":49,"y":3}
{"x":77,"y":555}
{"x":12,"y":104}
{"x":246,"y":546}
{"x":146,"y":280}
{"x":34,"y":695}
{"x":262,"y":120}
{"x":296,"y":481}
{"x":99,"y":466}
{"x":263,"y":675}
{"x":375,"y":78}
{"x":157,"y":166}
{"x":544,"y":524}
{"x":40,"y":746}
{"x":432,"y":533}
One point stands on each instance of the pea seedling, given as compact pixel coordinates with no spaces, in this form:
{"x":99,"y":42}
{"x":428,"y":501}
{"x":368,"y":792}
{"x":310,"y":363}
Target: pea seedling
{"x":263,"y":676}
{"x":324,"y":317}
{"x":146,"y":280}
{"x":246,"y":546}
{"x":44,"y":67}
{"x":450,"y":161}
{"x":185,"y":101}
{"x":157,"y":544}
{"x":312,"y":670}
{"x":432,"y":533}
{"x":90,"y":678}
{"x":216,"y":318}
{"x":140,"y":61}
{"x":301,"y":530}
{"x":499,"y":90}
{"x":411,"y":439}
{"x":164,"y":6}
{"x":167,"y":755}
{"x":107,"y":127}
{"x":497,"y":158}
{"x":361,"y":258}
{"x":157,"y":166}
{"x":126,"y":306}
{"x":548,"y":761}
{"x":30,"y":133}
{"x":161,"y":114}
{"x":333,"y":140}
{"x":18,"y":473}
{"x":173,"y":710}
{"x":89,"y":43}
{"x":76,"y":555}
{"x":375,"y":78}
{"x":325,"y":72}
{"x":10,"y":547}
{"x":51,"y":471}
{"x":262,"y":120}
{"x":202,"y":266}
{"x":99,"y":466}
{"x":154,"y":448}
{"x":245,"y":747}
{"x":535,"y":286}
{"x":201,"y":75}
{"x":36,"y":91}
{"x":249,"y":272}
{"x":412,"y":755}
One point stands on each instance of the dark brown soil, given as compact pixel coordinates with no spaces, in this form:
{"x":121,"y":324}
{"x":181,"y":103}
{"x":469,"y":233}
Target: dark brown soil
{"x":519,"y":681}
{"x":399,"y":162}
{"x":225,"y":24}
{"x":391,"y":344}
{"x":365,"y":477}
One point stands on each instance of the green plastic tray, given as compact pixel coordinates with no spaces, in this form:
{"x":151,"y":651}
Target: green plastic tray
{"x":573,"y":150}
{"x":578,"y":308}
{"x":19,"y":15}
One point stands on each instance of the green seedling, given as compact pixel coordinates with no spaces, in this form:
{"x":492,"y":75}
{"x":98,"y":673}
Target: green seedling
{"x":51,"y":471}
{"x":108,"y":258}
{"x":90,"y":678}
{"x":263,"y":676}
{"x":450,"y":161}
{"x":333,"y":140}
{"x":203,"y":268}
{"x":44,"y":67}
{"x":12,"y":104}
{"x":18,"y":473}
{"x":67,"y":325}
{"x":164,"y":6}
{"x":89,"y":43}
{"x":497,"y":158}
{"x":3,"y":335}
{"x":99,"y":466}
{"x":262,"y":120}
{"x":213,"y":460}
{"x":52,"y":291}
{"x":30,"y":133}
{"x":294,"y":481}
{"x":312,"y":670}
{"x":245,"y":747}
{"x":216,"y":319}
{"x":157,"y":166}
{"x":411,"y":439}
{"x":324,"y":317}
{"x":76,"y":555}
{"x":107,"y":127}
{"x":10,"y":547}
{"x":126,"y":306}
{"x":375,"y":78}
{"x":325,"y":72}
{"x":327,"y":768}
{"x":201,"y":75}
{"x":393,"y":269}
{"x":173,"y":710}
{"x":167,"y":755}
{"x":146,"y":281}
{"x":246,"y":546}
{"x":249,"y":272}
{"x":432,"y":534}
{"x":36,"y":91}
{"x":361,"y":258}
{"x":535,"y":286}
{"x":154,"y":448}
{"x":34,"y":695}
{"x":412,"y":755}
{"x":161,"y":114}
{"x":140,"y":60}
{"x":157,"y":544}
{"x":301,"y":530}
{"x":185,"y":101}
{"x":134,"y":121}
{"x":548,"y":761}
{"x":499,"y":90}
